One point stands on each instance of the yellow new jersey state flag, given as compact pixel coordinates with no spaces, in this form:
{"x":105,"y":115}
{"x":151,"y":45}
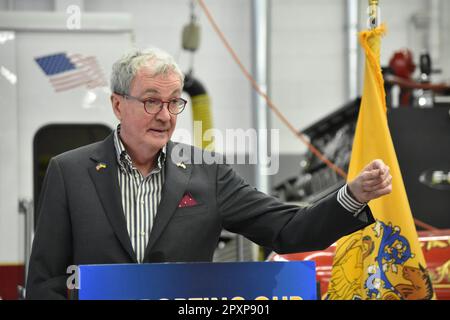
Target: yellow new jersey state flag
{"x":385,"y":260}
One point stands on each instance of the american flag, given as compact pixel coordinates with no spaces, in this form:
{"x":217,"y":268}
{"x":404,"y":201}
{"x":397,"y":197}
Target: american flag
{"x":70,"y":71}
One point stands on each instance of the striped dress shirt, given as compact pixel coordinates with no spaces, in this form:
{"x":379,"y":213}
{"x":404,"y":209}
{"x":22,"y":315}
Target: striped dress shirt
{"x":140,"y":195}
{"x":348,"y":202}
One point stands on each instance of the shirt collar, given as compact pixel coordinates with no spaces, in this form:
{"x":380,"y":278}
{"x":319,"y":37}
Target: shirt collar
{"x":124,"y":160}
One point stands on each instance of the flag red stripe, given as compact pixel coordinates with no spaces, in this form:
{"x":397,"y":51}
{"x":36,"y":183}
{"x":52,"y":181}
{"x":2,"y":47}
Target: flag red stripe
{"x":68,"y":76}
{"x":81,"y":78}
{"x":63,"y":88}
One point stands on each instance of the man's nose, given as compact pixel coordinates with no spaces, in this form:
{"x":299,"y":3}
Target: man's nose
{"x":163,"y":114}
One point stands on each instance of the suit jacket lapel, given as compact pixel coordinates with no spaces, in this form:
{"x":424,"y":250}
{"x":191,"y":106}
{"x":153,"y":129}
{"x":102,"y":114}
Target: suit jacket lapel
{"x":177,"y":174}
{"x":107,"y":185}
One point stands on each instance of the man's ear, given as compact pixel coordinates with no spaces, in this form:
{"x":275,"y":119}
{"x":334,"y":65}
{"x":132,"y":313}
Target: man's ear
{"x":117,"y":105}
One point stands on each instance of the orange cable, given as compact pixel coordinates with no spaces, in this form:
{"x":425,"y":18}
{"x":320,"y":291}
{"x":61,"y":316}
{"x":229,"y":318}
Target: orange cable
{"x":269,"y":102}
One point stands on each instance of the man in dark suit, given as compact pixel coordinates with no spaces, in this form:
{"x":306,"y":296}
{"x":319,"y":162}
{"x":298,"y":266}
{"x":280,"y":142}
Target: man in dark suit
{"x":137,"y":197}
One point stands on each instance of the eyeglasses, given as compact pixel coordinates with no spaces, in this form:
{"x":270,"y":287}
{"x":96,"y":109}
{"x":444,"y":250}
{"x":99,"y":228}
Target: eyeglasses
{"x":154,"y":106}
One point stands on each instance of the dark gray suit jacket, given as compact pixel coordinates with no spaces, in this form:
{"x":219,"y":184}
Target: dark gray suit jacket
{"x":81,"y":220}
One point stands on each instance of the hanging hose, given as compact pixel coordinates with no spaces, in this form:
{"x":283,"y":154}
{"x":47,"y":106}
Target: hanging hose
{"x":201,"y":111}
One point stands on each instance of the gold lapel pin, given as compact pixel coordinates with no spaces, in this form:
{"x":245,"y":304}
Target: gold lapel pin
{"x":181,"y":165}
{"x":100,"y":166}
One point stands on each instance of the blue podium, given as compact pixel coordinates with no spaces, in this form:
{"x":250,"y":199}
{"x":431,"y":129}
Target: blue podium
{"x":199,"y":281}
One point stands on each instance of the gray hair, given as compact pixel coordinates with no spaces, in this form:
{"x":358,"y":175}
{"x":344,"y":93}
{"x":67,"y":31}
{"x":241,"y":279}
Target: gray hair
{"x":124,"y":69}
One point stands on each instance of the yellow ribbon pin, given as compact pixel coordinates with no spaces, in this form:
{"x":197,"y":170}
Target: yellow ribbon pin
{"x":100,"y":166}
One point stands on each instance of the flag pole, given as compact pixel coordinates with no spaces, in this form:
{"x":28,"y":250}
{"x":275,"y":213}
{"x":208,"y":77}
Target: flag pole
{"x":374,"y":14}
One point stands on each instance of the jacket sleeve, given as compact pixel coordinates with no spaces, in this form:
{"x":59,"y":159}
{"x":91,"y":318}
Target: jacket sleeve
{"x":284,"y":228}
{"x":52,"y":246}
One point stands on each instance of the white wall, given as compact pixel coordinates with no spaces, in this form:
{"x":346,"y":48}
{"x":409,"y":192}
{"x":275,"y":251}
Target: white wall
{"x":9,"y":170}
{"x":34,"y":5}
{"x":307,"y":63}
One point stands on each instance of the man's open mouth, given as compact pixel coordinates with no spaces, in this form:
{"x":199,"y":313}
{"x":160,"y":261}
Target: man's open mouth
{"x":157,"y":130}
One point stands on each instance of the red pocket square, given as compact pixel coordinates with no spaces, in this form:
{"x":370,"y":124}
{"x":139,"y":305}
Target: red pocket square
{"x":187,"y":201}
